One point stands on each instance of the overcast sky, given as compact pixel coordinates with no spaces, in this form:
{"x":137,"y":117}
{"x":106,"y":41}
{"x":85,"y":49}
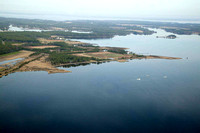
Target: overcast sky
{"x":106,"y":8}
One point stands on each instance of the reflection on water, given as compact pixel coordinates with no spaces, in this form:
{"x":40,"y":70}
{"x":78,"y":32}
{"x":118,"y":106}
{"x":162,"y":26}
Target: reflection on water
{"x":75,"y":65}
{"x":82,"y":64}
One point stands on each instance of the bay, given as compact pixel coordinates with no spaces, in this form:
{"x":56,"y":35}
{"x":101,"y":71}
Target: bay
{"x":109,"y":97}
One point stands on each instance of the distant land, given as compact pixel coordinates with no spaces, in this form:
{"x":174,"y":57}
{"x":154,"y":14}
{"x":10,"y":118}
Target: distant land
{"x":63,"y":17}
{"x":43,"y":45}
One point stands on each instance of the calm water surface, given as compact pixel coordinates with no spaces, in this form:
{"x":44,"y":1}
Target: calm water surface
{"x":108,"y":98}
{"x":11,"y":61}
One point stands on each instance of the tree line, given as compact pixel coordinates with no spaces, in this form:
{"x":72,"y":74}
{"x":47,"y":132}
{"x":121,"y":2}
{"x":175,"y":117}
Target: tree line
{"x":63,"y":58}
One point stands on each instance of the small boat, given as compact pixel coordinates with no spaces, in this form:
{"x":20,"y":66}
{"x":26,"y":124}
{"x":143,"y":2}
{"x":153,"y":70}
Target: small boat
{"x":138,"y":78}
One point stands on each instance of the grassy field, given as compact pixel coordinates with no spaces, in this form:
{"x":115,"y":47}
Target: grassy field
{"x":101,"y":55}
{"x":43,"y":40}
{"x":13,"y":53}
{"x":46,"y":41}
{"x":42,"y":47}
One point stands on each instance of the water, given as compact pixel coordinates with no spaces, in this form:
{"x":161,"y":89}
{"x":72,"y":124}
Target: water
{"x":11,"y":61}
{"x":183,"y":46}
{"x":109,"y":97}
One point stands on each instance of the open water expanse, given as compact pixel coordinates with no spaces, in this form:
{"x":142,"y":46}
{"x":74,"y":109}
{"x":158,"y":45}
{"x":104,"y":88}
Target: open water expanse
{"x":137,"y":96}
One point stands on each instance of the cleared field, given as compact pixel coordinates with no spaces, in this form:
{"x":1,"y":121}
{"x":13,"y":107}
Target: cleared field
{"x":41,"y":47}
{"x":138,"y":31}
{"x":73,"y":42}
{"x":13,"y":53}
{"x":17,"y":44}
{"x":45,"y":41}
{"x":166,"y":27}
{"x":101,"y":55}
{"x":41,"y":65}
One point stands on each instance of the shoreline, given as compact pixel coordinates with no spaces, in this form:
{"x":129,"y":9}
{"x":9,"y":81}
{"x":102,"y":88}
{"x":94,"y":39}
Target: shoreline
{"x":38,"y":63}
{"x":41,"y":62}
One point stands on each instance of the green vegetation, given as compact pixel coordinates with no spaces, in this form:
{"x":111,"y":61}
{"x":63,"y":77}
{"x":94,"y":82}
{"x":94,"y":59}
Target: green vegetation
{"x":96,"y":29}
{"x":139,"y":55}
{"x":40,"y":51}
{"x":64,"y":30}
{"x":62,"y":58}
{"x":8,"y":48}
{"x":16,"y":37}
{"x":171,"y":36}
{"x":117,"y":50}
{"x":13,"y":53}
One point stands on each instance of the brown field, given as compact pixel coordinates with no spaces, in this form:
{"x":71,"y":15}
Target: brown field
{"x":43,"y":40}
{"x":73,"y":42}
{"x":41,"y":47}
{"x":166,"y":27}
{"x":122,"y":61}
{"x":42,"y":65}
{"x":138,"y":31}
{"x":17,"y":44}
{"x":110,"y":48}
{"x":21,"y":54}
{"x":121,"y":57}
{"x":118,"y":27}
{"x":101,"y":55}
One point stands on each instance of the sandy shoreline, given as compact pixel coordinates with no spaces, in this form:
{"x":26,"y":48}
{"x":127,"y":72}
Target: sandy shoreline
{"x":35,"y":63}
{"x":41,"y":63}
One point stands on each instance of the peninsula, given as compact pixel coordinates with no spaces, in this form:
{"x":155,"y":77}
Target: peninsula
{"x":52,"y":53}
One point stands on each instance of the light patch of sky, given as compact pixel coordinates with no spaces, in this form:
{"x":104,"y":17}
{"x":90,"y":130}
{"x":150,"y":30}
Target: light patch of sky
{"x":114,"y":8}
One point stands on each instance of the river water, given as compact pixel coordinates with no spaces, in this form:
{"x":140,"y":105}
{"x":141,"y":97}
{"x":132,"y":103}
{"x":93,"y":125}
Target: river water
{"x":137,"y":96}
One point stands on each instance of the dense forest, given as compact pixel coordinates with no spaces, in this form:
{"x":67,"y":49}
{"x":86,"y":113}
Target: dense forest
{"x":118,"y":50}
{"x":63,"y":58}
{"x":98,"y":28}
{"x":22,"y":36}
{"x":8,"y":48}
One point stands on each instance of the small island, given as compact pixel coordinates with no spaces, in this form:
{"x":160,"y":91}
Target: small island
{"x":167,"y":37}
{"x":171,"y":36}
